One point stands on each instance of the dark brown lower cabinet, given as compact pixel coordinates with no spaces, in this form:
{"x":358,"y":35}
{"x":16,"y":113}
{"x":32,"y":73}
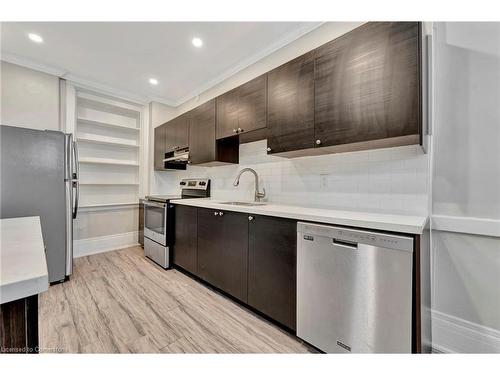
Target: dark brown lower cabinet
{"x":186,"y":238}
{"x":19,"y":326}
{"x":272,"y":258}
{"x":223,"y":250}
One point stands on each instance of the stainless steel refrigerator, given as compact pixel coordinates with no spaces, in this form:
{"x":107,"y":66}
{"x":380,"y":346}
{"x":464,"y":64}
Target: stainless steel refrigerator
{"x":39,"y":177}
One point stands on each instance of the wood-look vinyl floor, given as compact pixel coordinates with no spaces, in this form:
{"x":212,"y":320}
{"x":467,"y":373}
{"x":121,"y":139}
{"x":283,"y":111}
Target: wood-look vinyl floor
{"x":120,"y":302}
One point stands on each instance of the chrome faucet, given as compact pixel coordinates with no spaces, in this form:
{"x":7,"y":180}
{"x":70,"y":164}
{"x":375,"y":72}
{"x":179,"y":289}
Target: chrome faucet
{"x":258,"y":194}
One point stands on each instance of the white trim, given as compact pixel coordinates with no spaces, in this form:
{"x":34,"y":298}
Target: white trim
{"x":451,"y":334}
{"x":464,"y":224}
{"x":287,"y":39}
{"x":139,"y":99}
{"x":96,"y":245}
{"x":73,"y":79}
{"x":30,"y":64}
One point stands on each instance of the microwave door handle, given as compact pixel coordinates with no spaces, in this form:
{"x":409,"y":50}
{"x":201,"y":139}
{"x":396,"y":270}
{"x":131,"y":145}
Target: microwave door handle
{"x":75,"y":177}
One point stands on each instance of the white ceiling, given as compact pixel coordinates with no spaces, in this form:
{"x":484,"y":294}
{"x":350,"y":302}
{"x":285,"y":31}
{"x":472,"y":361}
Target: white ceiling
{"x":124,"y":55}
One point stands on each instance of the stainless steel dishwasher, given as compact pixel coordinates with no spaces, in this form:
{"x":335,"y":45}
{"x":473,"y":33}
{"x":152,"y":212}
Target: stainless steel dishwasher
{"x":354,"y":289}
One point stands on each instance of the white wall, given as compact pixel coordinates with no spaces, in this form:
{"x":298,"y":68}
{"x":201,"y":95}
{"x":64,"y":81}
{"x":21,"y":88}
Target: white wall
{"x":393,"y":180}
{"x":388,"y":180}
{"x":466,"y":188}
{"x":29,"y":98}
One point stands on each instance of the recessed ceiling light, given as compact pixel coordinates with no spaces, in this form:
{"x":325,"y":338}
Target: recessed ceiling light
{"x":197,"y":42}
{"x":153,"y":81}
{"x":35,"y":38}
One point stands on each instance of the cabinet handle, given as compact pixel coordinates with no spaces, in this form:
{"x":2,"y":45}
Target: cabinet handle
{"x":221,"y":213}
{"x":269,"y":149}
{"x":318,"y":141}
{"x":216,"y":213}
{"x":250,"y":218}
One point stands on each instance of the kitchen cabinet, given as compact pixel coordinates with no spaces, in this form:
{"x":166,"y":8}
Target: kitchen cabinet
{"x":202,"y":146}
{"x":227,"y":114}
{"x":272,"y":257}
{"x":367,"y":85}
{"x":186,"y":238}
{"x":176,"y":133}
{"x":291,"y":105}
{"x":159,"y":147}
{"x":252,"y":107}
{"x":242,"y":109}
{"x":223,"y":250}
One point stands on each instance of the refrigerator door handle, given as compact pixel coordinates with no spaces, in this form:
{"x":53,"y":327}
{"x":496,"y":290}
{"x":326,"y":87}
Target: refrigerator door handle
{"x":75,"y":177}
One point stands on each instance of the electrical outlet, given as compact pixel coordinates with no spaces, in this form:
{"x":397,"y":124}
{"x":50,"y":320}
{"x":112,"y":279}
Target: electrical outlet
{"x":323,"y":181}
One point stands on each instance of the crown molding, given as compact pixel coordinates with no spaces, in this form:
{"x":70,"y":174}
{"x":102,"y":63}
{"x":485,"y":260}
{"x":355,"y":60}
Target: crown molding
{"x":139,"y":99}
{"x":74,"y":79}
{"x":287,"y":39}
{"x":27,"y":63}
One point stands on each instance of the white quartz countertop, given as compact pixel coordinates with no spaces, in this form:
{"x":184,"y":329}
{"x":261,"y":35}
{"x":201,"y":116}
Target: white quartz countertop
{"x":23,"y":267}
{"x":369,"y":220}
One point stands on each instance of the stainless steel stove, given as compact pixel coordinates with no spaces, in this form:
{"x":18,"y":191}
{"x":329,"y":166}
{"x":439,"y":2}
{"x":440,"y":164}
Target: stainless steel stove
{"x":158,"y":219}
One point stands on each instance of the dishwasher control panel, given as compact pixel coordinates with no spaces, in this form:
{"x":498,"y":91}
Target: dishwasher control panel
{"x":355,"y":236}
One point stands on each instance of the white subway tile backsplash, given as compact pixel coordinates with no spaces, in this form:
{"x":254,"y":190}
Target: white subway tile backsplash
{"x":385,"y":180}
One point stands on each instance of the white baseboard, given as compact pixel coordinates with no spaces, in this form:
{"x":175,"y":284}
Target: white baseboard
{"x":455,"y":335}
{"x":95,"y":245}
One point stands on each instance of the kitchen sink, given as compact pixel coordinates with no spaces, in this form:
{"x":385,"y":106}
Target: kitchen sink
{"x":244,"y":203}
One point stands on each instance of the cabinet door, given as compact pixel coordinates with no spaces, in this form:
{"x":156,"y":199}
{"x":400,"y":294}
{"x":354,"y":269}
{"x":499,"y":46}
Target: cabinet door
{"x":176,"y":134}
{"x":227,"y":114}
{"x":159,"y":150}
{"x":223,"y":250}
{"x":202,"y":147}
{"x":367,"y":84}
{"x":252,"y":106}
{"x":272,"y":258}
{"x":291,"y":105}
{"x":186,"y":238}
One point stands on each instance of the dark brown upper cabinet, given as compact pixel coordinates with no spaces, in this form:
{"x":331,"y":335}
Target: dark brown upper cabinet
{"x":159,"y":147}
{"x":242,"y":109}
{"x":290,"y":122}
{"x":202,"y":147}
{"x":367,"y":86}
{"x":176,"y":136}
{"x":252,"y":108}
{"x":227,"y":114}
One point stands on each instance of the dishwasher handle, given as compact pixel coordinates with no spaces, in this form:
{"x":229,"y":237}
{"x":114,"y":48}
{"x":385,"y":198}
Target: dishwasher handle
{"x":346,"y":244}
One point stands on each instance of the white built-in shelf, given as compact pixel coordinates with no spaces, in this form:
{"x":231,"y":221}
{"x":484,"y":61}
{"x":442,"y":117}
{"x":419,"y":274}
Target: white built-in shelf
{"x":104,"y":142}
{"x":88,"y":99}
{"x":110,"y":183}
{"x":109,"y":133}
{"x":106,"y":124}
{"x":109,"y":205}
{"x":108,"y":161}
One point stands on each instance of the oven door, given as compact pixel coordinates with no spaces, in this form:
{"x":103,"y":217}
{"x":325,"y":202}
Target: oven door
{"x":155,"y":222}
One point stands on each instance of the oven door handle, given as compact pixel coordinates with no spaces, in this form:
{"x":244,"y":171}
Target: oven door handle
{"x":154,"y":204}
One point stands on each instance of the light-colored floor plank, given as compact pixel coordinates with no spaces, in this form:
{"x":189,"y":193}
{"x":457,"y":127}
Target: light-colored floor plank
{"x":120,"y":302}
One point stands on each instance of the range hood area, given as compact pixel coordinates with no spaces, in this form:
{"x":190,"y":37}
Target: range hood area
{"x":177,"y":159}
